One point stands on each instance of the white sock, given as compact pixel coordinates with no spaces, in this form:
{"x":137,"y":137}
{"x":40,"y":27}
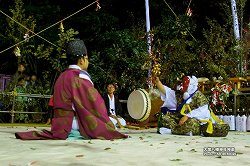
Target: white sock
{"x":164,"y":130}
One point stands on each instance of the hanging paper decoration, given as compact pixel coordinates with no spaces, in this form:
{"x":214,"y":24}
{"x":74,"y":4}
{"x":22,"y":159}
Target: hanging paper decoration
{"x":26,"y":36}
{"x":98,"y":7}
{"x":17,"y":51}
{"x":189,"y":12}
{"x":235,"y":20}
{"x":61,"y":27}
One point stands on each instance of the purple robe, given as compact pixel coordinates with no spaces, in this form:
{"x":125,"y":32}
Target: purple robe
{"x":90,"y":111}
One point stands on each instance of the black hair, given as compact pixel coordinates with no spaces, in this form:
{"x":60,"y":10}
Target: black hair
{"x":112,"y":83}
{"x":73,"y":60}
{"x":75,"y":50}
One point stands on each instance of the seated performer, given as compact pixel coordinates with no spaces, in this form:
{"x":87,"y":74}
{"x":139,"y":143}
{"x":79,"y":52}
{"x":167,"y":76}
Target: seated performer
{"x":78,"y":106}
{"x":113,"y":106}
{"x":170,"y":119}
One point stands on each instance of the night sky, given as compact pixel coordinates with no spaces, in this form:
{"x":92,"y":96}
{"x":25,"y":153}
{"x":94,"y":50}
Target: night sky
{"x":8,"y":61}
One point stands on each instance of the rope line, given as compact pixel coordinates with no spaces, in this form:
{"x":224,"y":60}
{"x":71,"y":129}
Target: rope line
{"x":27,"y":29}
{"x":36,"y":34}
{"x":178,"y":18}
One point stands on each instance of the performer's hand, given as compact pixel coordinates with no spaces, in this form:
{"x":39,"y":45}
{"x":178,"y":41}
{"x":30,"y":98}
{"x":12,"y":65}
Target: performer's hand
{"x":183,"y":120}
{"x":157,"y":79}
{"x":159,"y":85}
{"x":154,"y":79}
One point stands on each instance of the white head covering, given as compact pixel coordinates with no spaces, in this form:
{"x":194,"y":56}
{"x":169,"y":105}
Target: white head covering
{"x":192,"y":87}
{"x":193,"y":84}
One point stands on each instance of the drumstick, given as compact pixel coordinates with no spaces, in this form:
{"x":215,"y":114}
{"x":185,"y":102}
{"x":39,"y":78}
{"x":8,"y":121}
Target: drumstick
{"x":127,"y":126}
{"x":119,"y":124}
{"x":132,"y":127}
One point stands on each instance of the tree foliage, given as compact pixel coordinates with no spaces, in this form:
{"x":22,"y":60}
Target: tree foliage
{"x":202,"y":44}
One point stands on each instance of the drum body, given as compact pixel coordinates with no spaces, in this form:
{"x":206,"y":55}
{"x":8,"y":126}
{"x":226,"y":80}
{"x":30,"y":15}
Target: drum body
{"x":142,"y":108}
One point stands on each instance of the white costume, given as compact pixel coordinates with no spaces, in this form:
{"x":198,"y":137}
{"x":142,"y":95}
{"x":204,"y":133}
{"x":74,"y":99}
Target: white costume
{"x":169,"y":99}
{"x":199,"y":107}
{"x":202,"y":112}
{"x":112,"y":112}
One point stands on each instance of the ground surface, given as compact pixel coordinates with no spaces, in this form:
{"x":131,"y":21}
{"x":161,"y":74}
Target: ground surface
{"x":143,"y":148}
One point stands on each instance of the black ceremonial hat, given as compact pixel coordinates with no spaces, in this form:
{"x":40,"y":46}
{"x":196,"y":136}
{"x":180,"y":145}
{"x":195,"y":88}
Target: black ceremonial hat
{"x":76,"y":47}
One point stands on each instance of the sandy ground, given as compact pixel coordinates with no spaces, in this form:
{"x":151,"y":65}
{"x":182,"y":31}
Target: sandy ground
{"x":143,"y":148}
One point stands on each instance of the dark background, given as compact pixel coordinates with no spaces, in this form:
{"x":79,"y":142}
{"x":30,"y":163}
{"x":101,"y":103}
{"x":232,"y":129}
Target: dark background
{"x":114,"y":14}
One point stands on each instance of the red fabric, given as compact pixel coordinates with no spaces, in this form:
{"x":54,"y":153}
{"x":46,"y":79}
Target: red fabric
{"x":89,"y":106}
{"x":60,"y":127}
{"x":185,"y":83}
{"x":51,"y":103}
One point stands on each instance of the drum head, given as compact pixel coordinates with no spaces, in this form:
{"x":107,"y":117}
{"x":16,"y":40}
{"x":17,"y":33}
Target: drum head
{"x":139,"y":105}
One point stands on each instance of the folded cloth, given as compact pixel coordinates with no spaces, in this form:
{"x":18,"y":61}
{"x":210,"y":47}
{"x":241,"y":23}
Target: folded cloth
{"x":164,"y":130}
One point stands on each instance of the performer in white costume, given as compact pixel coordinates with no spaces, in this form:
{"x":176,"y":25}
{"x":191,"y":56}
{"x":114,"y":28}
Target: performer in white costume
{"x":171,"y":121}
